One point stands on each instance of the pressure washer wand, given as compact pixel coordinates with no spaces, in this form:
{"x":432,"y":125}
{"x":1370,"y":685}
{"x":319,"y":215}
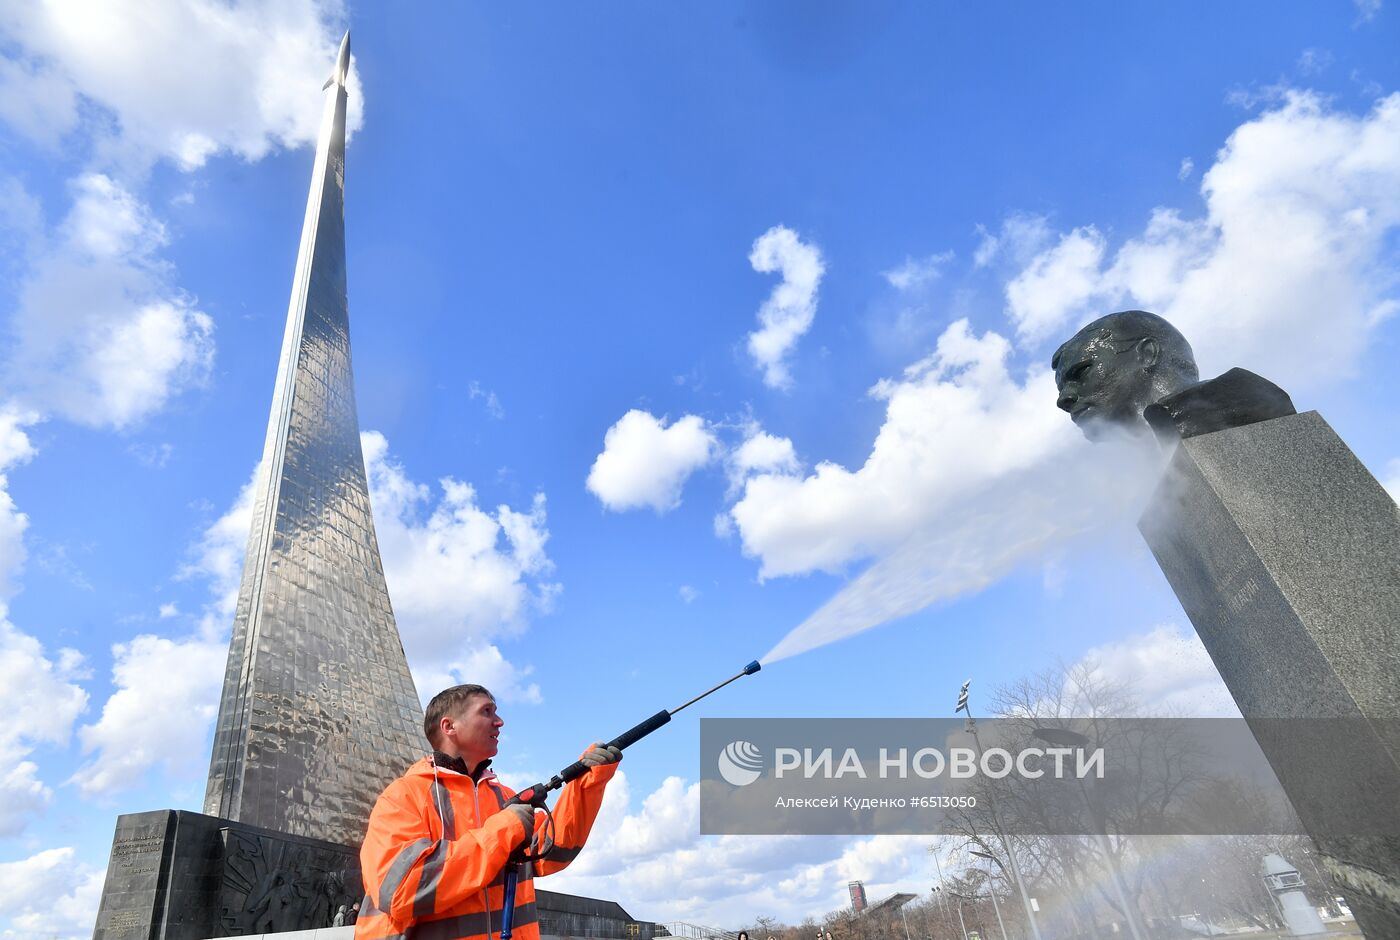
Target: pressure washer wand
{"x":535,"y":794}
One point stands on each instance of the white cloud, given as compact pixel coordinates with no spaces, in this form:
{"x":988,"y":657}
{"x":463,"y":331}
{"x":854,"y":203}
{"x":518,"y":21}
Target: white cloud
{"x":167,"y":694}
{"x":1257,"y":95}
{"x":917,"y":272}
{"x":1167,"y":669}
{"x":1188,"y":166}
{"x":21,"y":224}
{"x":1059,"y":280}
{"x":37,"y":694}
{"x":155,"y":456}
{"x":688,"y":593}
{"x":669,"y":819}
{"x":12,"y":550}
{"x":955,"y":422}
{"x":107,"y":221}
{"x":50,"y":894}
{"x":788,"y":312}
{"x":40,"y":705}
{"x":1288,"y":272}
{"x":489,"y":399}
{"x":153,"y":67}
{"x":219,"y":556}
{"x":100,"y":335}
{"x":168,"y":689}
{"x":1366,"y":10}
{"x":37,"y":101}
{"x":1367,"y":87}
{"x":15,"y":449}
{"x":761,"y":452}
{"x":766,"y":453}
{"x":15,"y":446}
{"x":23,"y":796}
{"x":38,"y":702}
{"x":141,"y":362}
{"x":459,"y":576}
{"x":723,"y":525}
{"x":645,"y":463}
{"x":884,"y":863}
{"x":476,"y":662}
{"x":1021,"y":236}
{"x":1313,"y":61}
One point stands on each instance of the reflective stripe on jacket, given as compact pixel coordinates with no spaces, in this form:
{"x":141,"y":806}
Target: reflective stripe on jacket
{"x":437,"y":845}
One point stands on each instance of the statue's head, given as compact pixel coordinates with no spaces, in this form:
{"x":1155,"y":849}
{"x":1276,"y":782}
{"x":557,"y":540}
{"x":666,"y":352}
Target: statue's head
{"x":1112,"y":369}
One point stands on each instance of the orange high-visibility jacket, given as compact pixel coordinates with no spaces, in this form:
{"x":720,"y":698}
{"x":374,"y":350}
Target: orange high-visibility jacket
{"x":437,"y":844}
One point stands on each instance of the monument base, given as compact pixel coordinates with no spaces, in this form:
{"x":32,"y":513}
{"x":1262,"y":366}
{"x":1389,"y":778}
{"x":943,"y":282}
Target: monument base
{"x":178,"y":875}
{"x":1285,"y":553}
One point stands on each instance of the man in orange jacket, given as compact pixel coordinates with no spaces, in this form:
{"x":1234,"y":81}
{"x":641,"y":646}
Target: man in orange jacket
{"x":440,"y":836}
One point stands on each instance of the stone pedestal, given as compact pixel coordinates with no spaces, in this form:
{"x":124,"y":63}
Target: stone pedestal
{"x":1285,"y":554}
{"x":177,"y":875}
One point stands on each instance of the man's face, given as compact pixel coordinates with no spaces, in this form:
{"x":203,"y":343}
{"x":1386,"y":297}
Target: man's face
{"x":474,"y":729}
{"x":1103,"y":384}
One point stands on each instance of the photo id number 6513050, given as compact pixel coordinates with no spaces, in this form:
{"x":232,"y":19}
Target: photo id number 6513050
{"x":943,"y":802}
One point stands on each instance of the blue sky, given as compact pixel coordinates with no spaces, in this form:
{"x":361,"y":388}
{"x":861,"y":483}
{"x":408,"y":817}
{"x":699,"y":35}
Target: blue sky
{"x":672,"y":329}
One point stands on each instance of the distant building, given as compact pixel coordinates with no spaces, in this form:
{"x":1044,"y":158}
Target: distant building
{"x":569,"y":915}
{"x":892,"y":903}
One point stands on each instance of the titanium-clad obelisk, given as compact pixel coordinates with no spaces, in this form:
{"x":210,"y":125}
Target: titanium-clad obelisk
{"x":319,"y":711}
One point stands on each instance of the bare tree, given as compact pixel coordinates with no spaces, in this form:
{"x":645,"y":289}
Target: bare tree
{"x":764,"y":927}
{"x":1084,"y":882}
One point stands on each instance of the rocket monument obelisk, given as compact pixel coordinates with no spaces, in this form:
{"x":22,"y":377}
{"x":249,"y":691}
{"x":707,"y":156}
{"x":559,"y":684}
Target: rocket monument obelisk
{"x":319,"y":711}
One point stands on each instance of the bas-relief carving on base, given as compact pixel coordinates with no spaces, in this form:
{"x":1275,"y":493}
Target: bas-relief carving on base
{"x":271,"y":885}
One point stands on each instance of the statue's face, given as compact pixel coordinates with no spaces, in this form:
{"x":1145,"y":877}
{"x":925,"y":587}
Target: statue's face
{"x":1105,"y":381}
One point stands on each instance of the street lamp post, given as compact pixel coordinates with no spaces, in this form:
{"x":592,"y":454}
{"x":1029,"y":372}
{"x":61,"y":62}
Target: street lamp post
{"x":964,"y":707}
{"x":992,"y":892}
{"x":1063,"y":737}
{"x":977,"y":897}
{"x":939,"y":868}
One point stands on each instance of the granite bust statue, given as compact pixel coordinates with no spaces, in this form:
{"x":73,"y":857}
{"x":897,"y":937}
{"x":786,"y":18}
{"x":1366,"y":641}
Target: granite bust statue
{"x":1133,"y":371}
